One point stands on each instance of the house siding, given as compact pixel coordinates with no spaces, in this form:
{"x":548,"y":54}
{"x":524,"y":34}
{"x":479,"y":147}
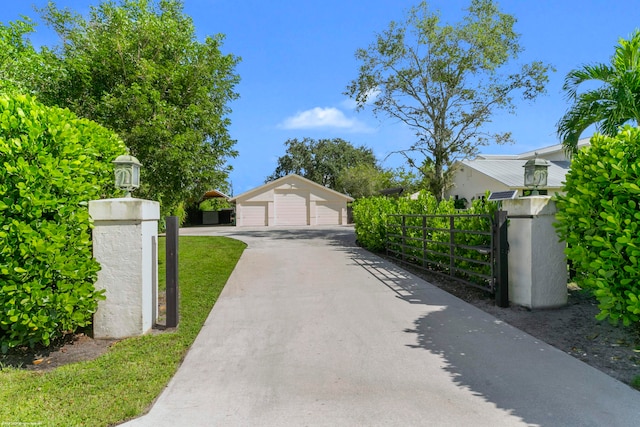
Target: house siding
{"x":471,"y":184}
{"x":291,"y":201}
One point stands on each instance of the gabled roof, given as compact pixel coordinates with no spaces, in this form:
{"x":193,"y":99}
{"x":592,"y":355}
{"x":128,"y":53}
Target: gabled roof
{"x":511,"y":172}
{"x":283,"y":179}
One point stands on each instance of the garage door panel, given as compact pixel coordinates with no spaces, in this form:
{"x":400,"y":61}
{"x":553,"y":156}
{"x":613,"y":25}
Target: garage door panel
{"x":328,"y":213}
{"x":291,"y":208}
{"x":254,"y":214}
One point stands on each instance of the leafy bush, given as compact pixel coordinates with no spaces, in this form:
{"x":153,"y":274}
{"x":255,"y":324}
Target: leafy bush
{"x":371,"y":215}
{"x":426,"y":241}
{"x":599,"y":218}
{"x":51,"y":165}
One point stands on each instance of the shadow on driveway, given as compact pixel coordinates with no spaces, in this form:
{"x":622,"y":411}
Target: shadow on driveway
{"x":505,"y":366}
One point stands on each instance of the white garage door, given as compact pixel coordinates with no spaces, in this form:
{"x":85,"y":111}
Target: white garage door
{"x":291,"y":208}
{"x":328,"y":213}
{"x":253,"y":214}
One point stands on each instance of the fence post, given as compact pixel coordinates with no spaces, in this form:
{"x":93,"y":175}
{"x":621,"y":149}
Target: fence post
{"x":424,"y":241}
{"x":387,"y":240}
{"x":452,"y":244}
{"x":501,"y":252}
{"x":172,"y":292}
{"x":404,"y":235}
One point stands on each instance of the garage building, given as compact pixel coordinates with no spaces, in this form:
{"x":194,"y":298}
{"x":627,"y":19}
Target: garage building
{"x":289,"y":201}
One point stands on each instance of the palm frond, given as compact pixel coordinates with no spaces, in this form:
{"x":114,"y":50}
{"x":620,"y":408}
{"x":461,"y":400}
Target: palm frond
{"x":578,"y":118}
{"x":615,"y":102}
{"x":575,"y":78}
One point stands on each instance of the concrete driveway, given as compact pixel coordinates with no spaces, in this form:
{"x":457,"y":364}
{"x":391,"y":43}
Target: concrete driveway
{"x":311,"y":330}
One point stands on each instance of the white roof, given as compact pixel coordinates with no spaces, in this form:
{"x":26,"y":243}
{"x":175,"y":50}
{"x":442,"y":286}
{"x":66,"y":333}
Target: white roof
{"x":511,"y":172}
{"x":540,"y":152}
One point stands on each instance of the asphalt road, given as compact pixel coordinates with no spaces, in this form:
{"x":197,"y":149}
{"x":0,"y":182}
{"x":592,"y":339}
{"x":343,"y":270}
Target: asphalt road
{"x":312,"y":330}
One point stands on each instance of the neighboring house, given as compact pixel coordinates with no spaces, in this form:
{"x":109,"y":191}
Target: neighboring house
{"x":291,"y":200}
{"x":490,"y":172}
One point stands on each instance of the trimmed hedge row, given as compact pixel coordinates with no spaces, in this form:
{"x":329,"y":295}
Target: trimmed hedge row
{"x":371,"y":215}
{"x":599,"y":218}
{"x":51,"y":164}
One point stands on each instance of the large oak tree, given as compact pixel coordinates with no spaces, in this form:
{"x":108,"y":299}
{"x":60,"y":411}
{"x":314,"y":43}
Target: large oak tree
{"x":321,"y":160}
{"x":446,"y":81}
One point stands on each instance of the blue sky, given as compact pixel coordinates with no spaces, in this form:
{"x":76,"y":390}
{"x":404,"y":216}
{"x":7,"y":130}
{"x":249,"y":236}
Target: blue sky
{"x":298,"y":58}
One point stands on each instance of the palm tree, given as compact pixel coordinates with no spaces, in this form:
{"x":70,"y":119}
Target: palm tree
{"x":615,"y":102}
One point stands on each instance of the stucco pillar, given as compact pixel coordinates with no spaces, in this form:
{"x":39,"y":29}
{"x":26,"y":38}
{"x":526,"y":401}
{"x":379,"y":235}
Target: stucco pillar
{"x":125,"y":244}
{"x":537,"y":263}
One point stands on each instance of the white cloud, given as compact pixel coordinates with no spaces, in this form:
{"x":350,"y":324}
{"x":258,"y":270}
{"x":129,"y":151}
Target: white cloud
{"x":349,"y":104}
{"x":318,"y":117}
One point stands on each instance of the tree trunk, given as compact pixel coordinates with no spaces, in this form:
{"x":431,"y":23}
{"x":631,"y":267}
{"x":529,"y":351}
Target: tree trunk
{"x":437,"y":184}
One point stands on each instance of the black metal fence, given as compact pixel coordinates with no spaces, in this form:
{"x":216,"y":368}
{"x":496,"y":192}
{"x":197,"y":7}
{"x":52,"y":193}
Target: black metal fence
{"x":470,"y":248}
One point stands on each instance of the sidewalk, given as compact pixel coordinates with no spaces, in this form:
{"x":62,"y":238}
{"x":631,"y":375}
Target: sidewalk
{"x":311,"y":330}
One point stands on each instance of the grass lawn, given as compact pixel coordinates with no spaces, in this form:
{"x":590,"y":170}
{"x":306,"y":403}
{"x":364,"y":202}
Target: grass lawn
{"x":122,"y":383}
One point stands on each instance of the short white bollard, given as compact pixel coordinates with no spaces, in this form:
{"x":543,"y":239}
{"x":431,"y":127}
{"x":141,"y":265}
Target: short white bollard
{"x":125,"y":244}
{"x":537,"y":264}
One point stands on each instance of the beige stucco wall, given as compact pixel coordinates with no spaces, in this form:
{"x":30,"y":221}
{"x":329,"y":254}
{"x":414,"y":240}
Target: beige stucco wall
{"x":314,"y":197}
{"x":471,"y":184}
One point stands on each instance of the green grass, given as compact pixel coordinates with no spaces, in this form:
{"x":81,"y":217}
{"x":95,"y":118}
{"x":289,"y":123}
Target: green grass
{"x":122,"y":383}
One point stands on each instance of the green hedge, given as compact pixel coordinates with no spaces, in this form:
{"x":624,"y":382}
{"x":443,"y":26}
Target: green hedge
{"x":371,"y":216}
{"x":51,"y":164}
{"x":599,"y":218}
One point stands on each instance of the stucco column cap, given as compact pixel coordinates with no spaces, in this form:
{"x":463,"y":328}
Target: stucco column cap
{"x":532,"y":205}
{"x":124,"y":209}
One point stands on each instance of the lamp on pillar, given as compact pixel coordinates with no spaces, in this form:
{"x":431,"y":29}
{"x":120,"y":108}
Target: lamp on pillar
{"x":535,"y":174}
{"x":127,"y":172}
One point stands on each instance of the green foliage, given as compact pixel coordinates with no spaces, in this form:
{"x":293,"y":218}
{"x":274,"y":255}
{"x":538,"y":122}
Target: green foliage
{"x":370,"y":217}
{"x":371,"y":214}
{"x":363,"y":180}
{"x":446,"y":81}
{"x":408,"y":179}
{"x":374,"y":221}
{"x":599,"y":218}
{"x":615,"y":100}
{"x":322,"y":160}
{"x":214,"y":204}
{"x":136,"y":67}
{"x":51,"y":165}
{"x":460,"y":203}
{"x":19,"y":66}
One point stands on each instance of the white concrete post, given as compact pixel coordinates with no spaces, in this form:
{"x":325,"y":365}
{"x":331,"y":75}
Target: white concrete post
{"x":537,"y":264}
{"x":125,"y":244}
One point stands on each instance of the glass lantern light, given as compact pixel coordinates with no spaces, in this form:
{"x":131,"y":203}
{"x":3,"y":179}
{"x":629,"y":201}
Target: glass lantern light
{"x":127,"y":173}
{"x":535,"y":174}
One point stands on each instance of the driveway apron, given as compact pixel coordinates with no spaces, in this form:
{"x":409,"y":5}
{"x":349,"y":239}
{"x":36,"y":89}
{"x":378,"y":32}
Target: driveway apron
{"x":312,"y":330}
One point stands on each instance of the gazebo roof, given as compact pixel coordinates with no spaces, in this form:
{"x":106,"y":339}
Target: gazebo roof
{"x":214,"y":194}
